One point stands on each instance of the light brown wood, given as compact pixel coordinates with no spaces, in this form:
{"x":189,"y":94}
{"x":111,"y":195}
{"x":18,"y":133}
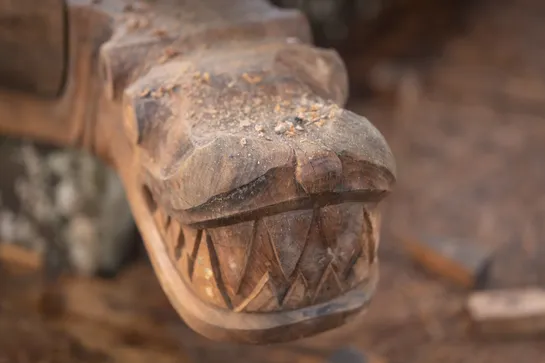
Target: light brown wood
{"x":256,"y":193}
{"x":508,"y":312}
{"x":10,"y":253}
{"x":460,"y":261}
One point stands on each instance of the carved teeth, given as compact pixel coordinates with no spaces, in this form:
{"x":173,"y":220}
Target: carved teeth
{"x":289,"y":241}
{"x":329,"y":285}
{"x":297,"y":293}
{"x":302,"y":257}
{"x":234,"y":251}
{"x":263,"y":298}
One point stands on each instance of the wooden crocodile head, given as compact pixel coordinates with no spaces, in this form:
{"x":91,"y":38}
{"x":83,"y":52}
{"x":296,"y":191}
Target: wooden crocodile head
{"x":256,"y":193}
{"x":265,"y":190}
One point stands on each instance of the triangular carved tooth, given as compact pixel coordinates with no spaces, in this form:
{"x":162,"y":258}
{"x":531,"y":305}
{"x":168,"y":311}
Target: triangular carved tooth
{"x":329,"y":285}
{"x":175,"y":237}
{"x":372,"y":227}
{"x":343,"y":226}
{"x":191,"y":258}
{"x":297,"y":294}
{"x":215,"y":265}
{"x":262,"y":299}
{"x":206,"y":279}
{"x":233,"y":246}
{"x":288,"y":233}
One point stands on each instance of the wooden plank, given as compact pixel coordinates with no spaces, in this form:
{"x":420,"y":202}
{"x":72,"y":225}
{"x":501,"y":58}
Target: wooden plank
{"x":32,"y":43}
{"x":14,"y":254}
{"x":459,"y":261}
{"x":508,"y":311}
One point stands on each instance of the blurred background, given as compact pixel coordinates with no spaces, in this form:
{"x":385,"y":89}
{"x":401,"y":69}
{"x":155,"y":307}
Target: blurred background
{"x":458,"y":90}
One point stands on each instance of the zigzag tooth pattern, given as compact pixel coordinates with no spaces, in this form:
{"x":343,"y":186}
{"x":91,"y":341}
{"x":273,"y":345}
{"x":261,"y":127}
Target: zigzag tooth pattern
{"x":314,"y":259}
{"x":278,"y":262}
{"x":262,"y":259}
{"x":233,"y":252}
{"x":205,"y":278}
{"x":215,"y":266}
{"x":328,"y":287}
{"x":297,"y":294}
{"x":343,"y":227}
{"x":193,"y":256}
{"x":263,"y":298}
{"x":289,"y":242}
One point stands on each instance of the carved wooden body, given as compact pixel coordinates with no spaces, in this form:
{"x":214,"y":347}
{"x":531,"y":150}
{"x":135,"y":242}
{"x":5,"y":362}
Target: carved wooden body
{"x":255,"y":192}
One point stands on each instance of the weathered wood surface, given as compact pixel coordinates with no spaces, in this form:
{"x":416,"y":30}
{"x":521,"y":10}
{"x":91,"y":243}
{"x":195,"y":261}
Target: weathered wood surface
{"x":255,"y":191}
{"x":508,"y":312}
{"x":483,"y":181}
{"x":33,"y":46}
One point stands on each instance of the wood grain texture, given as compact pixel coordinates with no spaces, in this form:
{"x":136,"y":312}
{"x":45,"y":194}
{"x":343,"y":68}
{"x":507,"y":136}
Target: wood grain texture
{"x":255,"y":191}
{"x":285,"y":261}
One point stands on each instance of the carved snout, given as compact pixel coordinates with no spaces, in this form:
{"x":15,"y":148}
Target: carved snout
{"x":318,"y":170}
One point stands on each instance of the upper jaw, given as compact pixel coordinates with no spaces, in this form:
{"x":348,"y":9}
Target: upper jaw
{"x":345,"y":159}
{"x":224,"y":182}
{"x":215,"y":149}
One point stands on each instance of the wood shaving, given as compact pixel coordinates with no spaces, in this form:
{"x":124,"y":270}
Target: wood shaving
{"x":161,"y":33}
{"x":251,"y":79}
{"x":168,"y":53}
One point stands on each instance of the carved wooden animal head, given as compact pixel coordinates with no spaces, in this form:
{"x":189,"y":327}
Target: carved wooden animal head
{"x":265,"y":188}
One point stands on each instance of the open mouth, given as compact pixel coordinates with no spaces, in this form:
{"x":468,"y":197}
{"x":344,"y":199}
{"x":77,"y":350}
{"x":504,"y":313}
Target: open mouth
{"x":302,"y":203}
{"x":257,"y":234}
{"x":313,"y":266}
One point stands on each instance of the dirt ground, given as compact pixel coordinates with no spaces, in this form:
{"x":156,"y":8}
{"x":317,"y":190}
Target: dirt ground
{"x":459,"y":92}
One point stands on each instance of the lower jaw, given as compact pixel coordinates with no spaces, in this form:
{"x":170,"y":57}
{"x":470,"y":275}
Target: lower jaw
{"x":260,"y":327}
